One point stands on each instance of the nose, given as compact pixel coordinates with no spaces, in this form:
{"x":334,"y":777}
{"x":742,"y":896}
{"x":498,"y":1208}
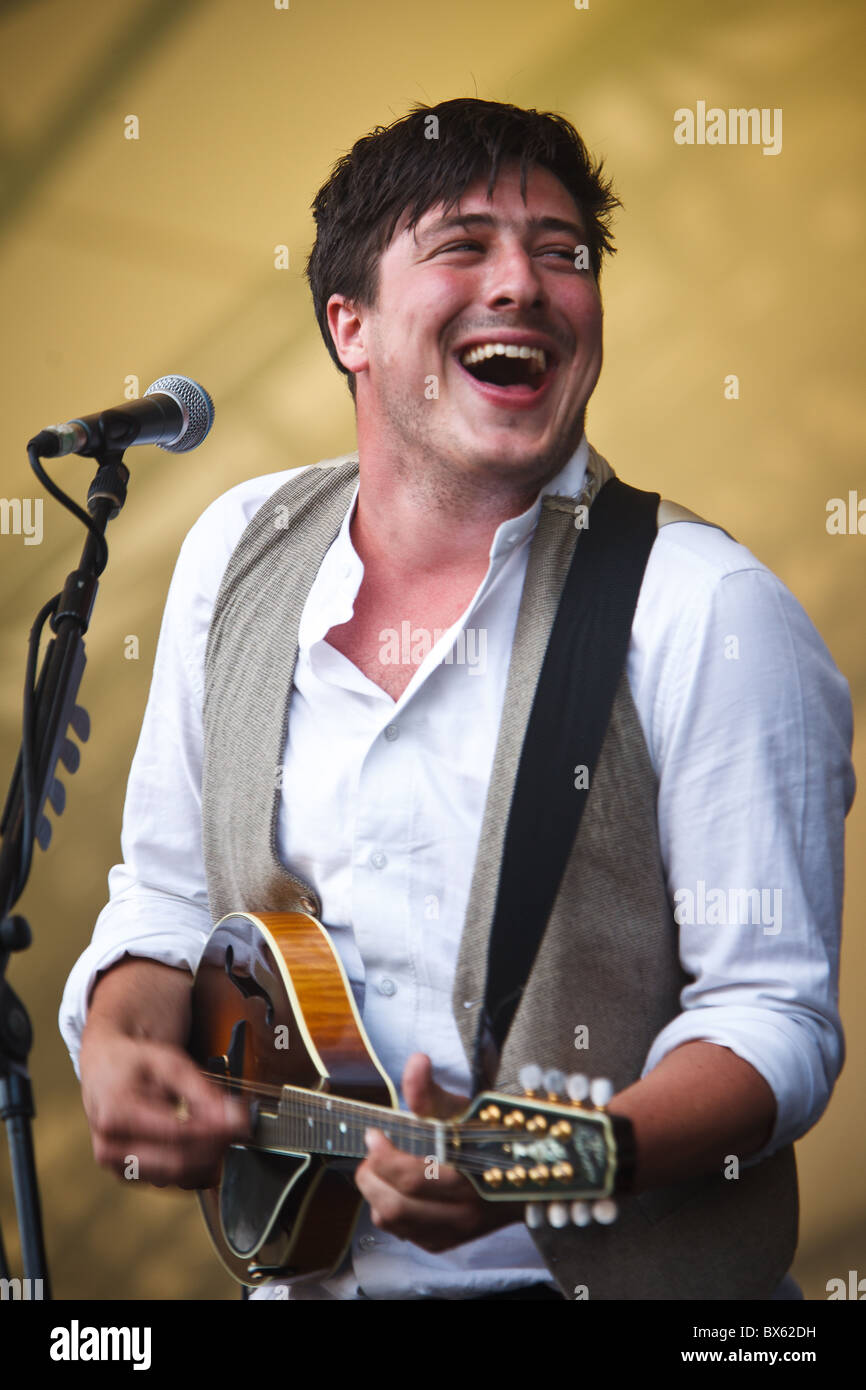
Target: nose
{"x":514,"y":279}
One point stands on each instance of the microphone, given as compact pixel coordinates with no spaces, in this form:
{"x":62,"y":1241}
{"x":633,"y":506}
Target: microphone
{"x":175,"y":413}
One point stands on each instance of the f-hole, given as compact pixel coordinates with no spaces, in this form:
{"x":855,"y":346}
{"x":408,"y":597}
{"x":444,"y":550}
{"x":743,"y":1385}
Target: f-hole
{"x":249,"y":987}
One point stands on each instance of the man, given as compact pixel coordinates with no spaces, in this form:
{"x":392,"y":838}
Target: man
{"x":455,"y":280}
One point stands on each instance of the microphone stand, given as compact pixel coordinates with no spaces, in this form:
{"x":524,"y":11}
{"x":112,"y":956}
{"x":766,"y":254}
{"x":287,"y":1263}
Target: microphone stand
{"x":50,"y":710}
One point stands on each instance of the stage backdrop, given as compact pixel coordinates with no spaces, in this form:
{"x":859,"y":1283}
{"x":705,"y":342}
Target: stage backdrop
{"x":158,"y":162}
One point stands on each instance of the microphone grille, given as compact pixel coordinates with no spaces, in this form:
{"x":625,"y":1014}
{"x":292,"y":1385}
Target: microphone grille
{"x":196,"y":405}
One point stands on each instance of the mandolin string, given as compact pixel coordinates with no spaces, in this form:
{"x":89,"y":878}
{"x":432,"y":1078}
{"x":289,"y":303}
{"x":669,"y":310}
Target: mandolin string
{"x":408,"y":1126}
{"x":330,"y":1105}
{"x":295,"y":1107}
{"x":330,"y":1099}
{"x":327,"y":1101}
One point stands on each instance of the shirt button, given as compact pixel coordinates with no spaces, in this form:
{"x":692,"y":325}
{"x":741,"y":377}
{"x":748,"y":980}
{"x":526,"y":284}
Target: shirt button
{"x":387,"y":986}
{"x":392,"y":733}
{"x":378,"y":859}
{"x":367,"y":1242}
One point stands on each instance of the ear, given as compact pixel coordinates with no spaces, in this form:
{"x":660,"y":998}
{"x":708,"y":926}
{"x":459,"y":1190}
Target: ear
{"x":345,"y":320}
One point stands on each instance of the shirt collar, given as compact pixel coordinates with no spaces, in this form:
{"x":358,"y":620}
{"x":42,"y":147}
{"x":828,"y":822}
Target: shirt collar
{"x":332,"y":598}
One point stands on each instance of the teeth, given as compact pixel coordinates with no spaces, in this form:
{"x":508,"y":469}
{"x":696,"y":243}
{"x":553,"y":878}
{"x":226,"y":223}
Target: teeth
{"x":536,"y":357}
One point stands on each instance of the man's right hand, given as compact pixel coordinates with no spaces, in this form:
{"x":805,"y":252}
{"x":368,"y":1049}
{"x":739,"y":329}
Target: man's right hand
{"x":144,"y":1097}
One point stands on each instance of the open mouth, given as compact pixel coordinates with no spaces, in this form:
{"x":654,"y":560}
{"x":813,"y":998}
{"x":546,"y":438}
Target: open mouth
{"x":519,"y":372}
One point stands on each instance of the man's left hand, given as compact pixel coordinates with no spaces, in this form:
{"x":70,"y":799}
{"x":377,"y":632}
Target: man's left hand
{"x":418,"y":1199}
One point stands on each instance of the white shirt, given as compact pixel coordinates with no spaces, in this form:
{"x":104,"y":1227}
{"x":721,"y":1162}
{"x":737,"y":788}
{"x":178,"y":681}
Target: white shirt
{"x":748,"y":726}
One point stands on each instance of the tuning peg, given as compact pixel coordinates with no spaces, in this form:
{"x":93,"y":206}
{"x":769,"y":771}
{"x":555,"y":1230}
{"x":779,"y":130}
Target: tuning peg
{"x":530,"y":1078}
{"x":557,"y":1215}
{"x":540,"y":1172}
{"x":69,"y":755}
{"x":534,"y":1215}
{"x":57,"y":797}
{"x":605,"y":1211}
{"x":43,"y":832}
{"x":577,"y":1087}
{"x":80,"y":722}
{"x":580,"y":1214}
{"x":554,"y":1083}
{"x":601,"y":1092}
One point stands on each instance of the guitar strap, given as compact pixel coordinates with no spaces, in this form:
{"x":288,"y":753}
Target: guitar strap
{"x":582,"y":667}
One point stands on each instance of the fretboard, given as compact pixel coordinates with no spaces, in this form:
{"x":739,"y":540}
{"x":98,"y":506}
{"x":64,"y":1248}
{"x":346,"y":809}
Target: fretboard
{"x":309,"y":1122}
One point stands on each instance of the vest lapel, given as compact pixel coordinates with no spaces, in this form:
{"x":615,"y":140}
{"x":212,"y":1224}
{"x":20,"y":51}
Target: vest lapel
{"x":263,"y":591}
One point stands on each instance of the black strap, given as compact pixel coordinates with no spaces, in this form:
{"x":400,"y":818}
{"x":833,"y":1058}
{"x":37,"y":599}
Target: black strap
{"x":582,"y":667}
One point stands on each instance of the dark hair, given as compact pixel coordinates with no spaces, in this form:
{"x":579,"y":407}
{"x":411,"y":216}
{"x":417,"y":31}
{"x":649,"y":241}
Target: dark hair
{"x":428,"y":157}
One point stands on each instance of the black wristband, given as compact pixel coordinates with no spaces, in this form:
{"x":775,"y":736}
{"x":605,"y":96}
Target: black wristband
{"x":626,"y":1153}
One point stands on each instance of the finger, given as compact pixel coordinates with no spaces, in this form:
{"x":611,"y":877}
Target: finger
{"x":423,"y":1095}
{"x":159,"y":1093}
{"x":162,"y":1165}
{"x":418,"y":1084}
{"x":175,"y":1075}
{"x":170,"y":1120}
{"x":187,"y":1147}
{"x":423,"y":1177}
{"x":427,"y":1223}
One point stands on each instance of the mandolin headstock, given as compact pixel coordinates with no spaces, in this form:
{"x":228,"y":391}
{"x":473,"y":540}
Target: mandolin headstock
{"x":553,"y":1145}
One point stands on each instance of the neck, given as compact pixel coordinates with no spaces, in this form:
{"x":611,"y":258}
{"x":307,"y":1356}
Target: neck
{"x":428,"y":517}
{"x":319,"y":1123}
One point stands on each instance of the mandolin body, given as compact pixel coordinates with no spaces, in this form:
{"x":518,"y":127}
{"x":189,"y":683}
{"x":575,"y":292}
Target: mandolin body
{"x":272,"y":1007}
{"x":274,"y":1021}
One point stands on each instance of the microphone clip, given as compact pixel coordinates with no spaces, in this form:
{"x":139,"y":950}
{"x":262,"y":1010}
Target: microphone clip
{"x":110,"y":482}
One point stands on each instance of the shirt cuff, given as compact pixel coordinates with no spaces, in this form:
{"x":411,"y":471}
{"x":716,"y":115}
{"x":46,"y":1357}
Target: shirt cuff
{"x":181,"y":946}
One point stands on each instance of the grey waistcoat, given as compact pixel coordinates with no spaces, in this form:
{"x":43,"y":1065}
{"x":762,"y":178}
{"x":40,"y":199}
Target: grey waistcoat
{"x":609,"y":958}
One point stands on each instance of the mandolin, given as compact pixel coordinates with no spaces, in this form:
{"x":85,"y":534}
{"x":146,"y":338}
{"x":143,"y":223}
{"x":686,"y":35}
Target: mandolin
{"x":274,"y":1020}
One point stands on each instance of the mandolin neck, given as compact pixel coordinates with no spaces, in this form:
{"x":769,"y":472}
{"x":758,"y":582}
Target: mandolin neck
{"x":310,"y":1122}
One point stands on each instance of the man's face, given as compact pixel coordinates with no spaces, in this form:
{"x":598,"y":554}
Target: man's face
{"x":485,"y":343}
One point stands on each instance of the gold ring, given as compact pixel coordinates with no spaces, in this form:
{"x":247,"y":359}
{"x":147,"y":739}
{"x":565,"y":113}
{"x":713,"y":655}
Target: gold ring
{"x":181,"y":1110}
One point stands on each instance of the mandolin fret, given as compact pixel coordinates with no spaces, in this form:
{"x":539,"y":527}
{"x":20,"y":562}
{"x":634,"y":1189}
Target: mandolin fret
{"x":308,"y":1122}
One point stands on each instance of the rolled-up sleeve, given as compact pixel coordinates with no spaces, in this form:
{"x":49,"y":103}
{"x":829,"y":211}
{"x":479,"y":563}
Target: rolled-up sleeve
{"x":751,"y":735}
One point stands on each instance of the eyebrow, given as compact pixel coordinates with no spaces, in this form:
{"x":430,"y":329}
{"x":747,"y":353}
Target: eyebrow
{"x":485,"y":219}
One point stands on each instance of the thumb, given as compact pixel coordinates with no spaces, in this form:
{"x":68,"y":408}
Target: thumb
{"x":422,"y":1094}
